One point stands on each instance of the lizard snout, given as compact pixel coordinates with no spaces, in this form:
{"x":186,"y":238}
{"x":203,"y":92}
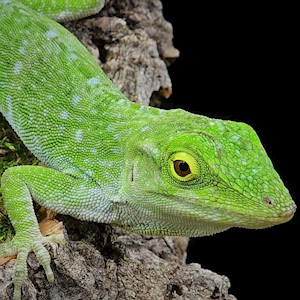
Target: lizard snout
{"x":288,"y":214}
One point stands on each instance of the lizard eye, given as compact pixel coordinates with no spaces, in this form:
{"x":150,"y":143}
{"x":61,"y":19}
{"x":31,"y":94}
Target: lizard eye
{"x":183,"y":166}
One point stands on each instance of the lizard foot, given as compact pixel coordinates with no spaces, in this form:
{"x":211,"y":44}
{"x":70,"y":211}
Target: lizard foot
{"x":21,"y":246}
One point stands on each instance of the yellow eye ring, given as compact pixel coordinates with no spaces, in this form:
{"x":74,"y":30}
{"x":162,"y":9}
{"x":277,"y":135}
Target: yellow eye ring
{"x":183,"y":166}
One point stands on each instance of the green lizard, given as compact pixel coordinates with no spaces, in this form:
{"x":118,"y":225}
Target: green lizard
{"x":110,"y":160}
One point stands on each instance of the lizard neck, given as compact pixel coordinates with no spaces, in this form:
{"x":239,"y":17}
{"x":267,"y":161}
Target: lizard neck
{"x":122,"y":124}
{"x":95,"y":140}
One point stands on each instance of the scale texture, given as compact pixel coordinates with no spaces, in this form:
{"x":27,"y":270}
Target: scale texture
{"x":113,"y":161}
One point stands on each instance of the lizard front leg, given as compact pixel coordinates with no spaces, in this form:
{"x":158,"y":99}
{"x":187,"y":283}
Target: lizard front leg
{"x":20,"y":185}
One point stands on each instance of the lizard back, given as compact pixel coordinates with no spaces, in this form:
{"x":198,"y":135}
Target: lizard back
{"x":69,"y":123}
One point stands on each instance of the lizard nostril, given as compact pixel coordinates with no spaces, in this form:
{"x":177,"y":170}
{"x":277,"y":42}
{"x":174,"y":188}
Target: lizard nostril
{"x":268,"y":201}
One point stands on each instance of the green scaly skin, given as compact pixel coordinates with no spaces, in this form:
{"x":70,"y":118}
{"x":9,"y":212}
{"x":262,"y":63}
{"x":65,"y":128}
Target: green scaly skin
{"x":113,"y":161}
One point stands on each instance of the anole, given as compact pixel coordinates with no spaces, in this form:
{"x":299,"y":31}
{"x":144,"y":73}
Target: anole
{"x":110,"y":160}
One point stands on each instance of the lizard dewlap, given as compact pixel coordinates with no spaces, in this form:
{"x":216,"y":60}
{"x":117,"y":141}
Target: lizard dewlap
{"x":113,"y":161}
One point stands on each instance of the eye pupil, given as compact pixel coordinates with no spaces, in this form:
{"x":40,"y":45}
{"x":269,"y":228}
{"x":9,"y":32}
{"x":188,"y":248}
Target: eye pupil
{"x":182,"y":168}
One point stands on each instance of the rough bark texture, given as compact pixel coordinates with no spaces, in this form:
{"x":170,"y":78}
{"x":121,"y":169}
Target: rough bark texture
{"x":134,"y":44}
{"x":102,"y":262}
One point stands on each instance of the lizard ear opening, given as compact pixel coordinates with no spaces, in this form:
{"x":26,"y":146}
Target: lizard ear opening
{"x":183,"y":166}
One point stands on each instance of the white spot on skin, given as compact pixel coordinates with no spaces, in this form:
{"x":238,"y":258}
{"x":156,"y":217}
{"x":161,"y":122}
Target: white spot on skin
{"x":155,"y":151}
{"x":18,"y":67}
{"x":50,"y":34}
{"x":235,"y":137}
{"x":94,"y":150}
{"x":22,"y":50}
{"x":78,"y":135}
{"x":76,"y":99}
{"x":64,"y":115}
{"x":211,"y":123}
{"x":9,"y":107}
{"x":220,"y":126}
{"x":89,"y":172}
{"x":121,"y":101}
{"x":72,"y":56}
{"x":23,"y":12}
{"x":244,"y":162}
{"x":145,"y":128}
{"x":254,"y":171}
{"x":94,"y":112}
{"x":93,"y":81}
{"x":110,"y":127}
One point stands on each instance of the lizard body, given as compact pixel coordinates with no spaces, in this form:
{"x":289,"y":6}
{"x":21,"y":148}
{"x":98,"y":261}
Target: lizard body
{"x":113,"y":161}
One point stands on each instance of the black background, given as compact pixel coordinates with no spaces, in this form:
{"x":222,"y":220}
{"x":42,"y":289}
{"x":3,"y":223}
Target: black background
{"x":238,"y":62}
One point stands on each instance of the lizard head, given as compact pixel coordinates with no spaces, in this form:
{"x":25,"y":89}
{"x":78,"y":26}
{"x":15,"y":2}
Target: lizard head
{"x":203,"y":176}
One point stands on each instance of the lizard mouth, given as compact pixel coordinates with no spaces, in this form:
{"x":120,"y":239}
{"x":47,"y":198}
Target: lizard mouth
{"x":282,"y":217}
{"x":287,"y":215}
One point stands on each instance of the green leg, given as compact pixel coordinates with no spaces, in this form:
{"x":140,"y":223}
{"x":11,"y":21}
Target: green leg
{"x":19,"y":186}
